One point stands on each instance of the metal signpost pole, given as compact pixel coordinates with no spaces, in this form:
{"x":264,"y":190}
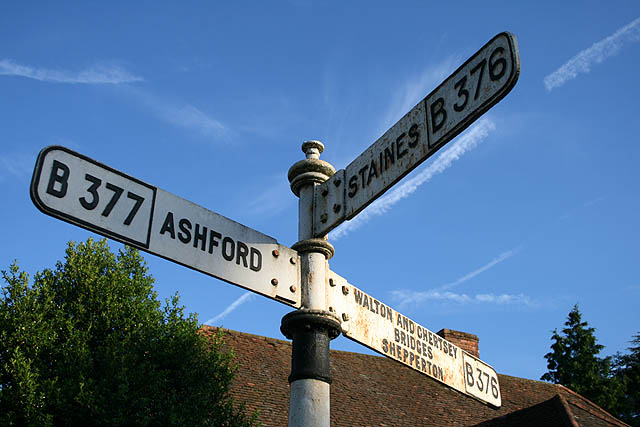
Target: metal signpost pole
{"x":311,"y":328}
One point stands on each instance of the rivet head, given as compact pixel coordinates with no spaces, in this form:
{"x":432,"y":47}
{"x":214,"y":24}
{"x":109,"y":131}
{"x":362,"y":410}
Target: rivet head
{"x":275,"y":253}
{"x":331,"y":282}
{"x":337,"y":182}
{"x":336,"y":208}
{"x":274,"y":281}
{"x":325,"y":193}
{"x":292,"y":260}
{"x":292,"y":288}
{"x":345,"y":290}
{"x":345,"y":317}
{"x":323,"y":218}
{"x":332,"y":310}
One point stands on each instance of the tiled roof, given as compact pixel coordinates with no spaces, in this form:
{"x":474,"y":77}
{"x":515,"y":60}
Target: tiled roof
{"x":375,"y":391}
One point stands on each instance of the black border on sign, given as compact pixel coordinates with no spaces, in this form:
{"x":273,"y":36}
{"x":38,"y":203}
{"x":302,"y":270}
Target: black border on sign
{"x":35,"y":198}
{"x":483,"y":108}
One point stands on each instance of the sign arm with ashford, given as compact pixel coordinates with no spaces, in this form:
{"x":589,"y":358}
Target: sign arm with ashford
{"x":79,"y":190}
{"x":379,"y":327}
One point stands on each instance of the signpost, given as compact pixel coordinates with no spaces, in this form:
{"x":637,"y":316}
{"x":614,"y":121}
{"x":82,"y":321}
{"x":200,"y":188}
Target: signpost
{"x":79,"y":190}
{"x":383,"y":329}
{"x":477,"y":85}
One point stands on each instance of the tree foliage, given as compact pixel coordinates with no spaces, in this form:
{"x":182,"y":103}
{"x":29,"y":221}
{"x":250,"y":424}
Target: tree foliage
{"x":89,"y":344}
{"x":574,"y":362}
{"x":627,"y":372}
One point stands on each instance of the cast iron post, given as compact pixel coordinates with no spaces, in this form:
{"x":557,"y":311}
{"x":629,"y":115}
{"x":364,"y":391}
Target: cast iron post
{"x":312,"y":327}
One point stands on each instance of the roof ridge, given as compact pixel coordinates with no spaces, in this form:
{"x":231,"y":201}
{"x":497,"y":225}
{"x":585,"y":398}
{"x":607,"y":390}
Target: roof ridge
{"x":600,"y":412}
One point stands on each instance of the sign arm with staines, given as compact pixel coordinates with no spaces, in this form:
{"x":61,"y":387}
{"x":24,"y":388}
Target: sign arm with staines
{"x":476,"y":86}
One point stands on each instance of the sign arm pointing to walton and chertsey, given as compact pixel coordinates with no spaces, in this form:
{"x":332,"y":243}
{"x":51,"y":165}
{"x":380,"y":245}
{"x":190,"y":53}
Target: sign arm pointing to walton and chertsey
{"x":81,"y":191}
{"x":476,"y":86}
{"x":376,"y":325}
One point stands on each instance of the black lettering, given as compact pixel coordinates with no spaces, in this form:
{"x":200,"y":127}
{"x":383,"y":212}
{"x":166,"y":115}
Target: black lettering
{"x":430,"y":338}
{"x":493,"y":64}
{"x":390,"y":314}
{"x":255,"y":259}
{"x":403,"y":338}
{"x":366,"y":302}
{"x":437,"y":110}
{"x":440,"y":373}
{"x":242,"y":252}
{"x":411,"y":358}
{"x":377,"y":306}
{"x":362,"y":173}
{"x":469,"y":375}
{"x":213,"y":239}
{"x":383,"y":310}
{"x":412,"y":326}
{"x":480,"y":66}
{"x":385,"y":345}
{"x":117,"y":192}
{"x":389,"y":156}
{"x":60,"y":179}
{"x":93,"y":190}
{"x":412,"y":342}
{"x":167,"y":225}
{"x":419,"y":331}
{"x":405,"y":323}
{"x":405,"y":353}
{"x":228,"y":242}
{"x":429,"y":367}
{"x":430,"y":352}
{"x":134,"y":210}
{"x":424,"y":365}
{"x":353,"y":186}
{"x":358,"y":296}
{"x":185,"y":230}
{"x":396,"y":334}
{"x":399,"y":320}
{"x":414,"y":135}
{"x":461,"y":92}
{"x":399,"y":143}
{"x":200,"y":236}
{"x":373,"y":172}
{"x":392,"y":349}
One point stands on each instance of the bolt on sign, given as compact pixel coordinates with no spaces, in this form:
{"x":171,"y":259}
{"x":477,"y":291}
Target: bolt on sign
{"x":81,"y":191}
{"x":376,"y":325}
{"x":477,"y":85}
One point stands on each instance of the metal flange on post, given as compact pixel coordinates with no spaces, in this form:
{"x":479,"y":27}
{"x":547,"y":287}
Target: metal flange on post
{"x":312,"y":327}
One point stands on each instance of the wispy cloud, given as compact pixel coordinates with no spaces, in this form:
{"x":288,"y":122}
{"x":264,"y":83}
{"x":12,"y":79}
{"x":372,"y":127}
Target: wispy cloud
{"x":405,"y":297}
{"x":468,"y":141}
{"x":98,"y":74}
{"x":597,"y":53}
{"x":497,"y":260}
{"x":17,"y":165}
{"x":271,"y":198}
{"x":442,"y":293}
{"x":237,"y":303}
{"x":178,"y":114}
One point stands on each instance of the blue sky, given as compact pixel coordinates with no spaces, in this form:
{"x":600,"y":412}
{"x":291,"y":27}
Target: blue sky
{"x":530,"y":211}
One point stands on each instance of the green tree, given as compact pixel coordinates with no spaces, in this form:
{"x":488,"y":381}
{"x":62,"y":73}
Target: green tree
{"x":573,"y":362}
{"x":627,"y":371}
{"x":89,"y":344}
